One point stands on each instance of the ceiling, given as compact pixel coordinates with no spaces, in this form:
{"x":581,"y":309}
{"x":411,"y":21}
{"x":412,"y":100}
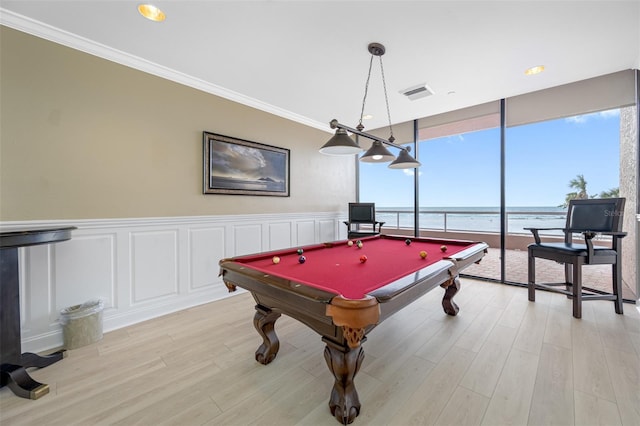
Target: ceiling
{"x":308,"y":60}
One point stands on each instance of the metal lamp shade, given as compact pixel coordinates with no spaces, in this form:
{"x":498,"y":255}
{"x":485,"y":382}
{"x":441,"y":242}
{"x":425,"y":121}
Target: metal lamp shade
{"x":404,"y":161}
{"x":340,"y":144}
{"x":378,"y":153}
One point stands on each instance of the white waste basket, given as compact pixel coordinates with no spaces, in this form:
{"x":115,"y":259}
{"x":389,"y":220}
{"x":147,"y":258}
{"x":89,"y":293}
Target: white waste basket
{"x":82,"y":324}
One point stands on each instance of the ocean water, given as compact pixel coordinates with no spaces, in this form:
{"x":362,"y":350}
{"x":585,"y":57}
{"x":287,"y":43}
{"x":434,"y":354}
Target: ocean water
{"x":479,"y":219}
{"x":218,"y":182}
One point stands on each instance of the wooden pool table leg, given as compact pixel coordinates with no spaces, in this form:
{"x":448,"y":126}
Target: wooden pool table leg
{"x":451,"y":288}
{"x":264,"y":321}
{"x":344,"y":362}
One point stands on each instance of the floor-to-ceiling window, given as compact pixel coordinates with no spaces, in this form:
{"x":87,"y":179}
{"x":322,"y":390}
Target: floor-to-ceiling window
{"x":391,"y":190}
{"x":571,"y":141}
{"x":459,"y":181}
{"x":575,"y":140}
{"x":547,"y":164}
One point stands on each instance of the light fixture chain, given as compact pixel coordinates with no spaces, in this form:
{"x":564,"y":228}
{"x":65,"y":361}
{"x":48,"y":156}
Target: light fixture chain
{"x":366,"y":90}
{"x":386,"y":98}
{"x":342,"y":144}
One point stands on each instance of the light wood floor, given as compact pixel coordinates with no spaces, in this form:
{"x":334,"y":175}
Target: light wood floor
{"x":502,"y":360}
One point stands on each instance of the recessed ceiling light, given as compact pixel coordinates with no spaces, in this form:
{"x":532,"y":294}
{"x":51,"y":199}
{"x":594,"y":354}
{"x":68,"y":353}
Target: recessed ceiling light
{"x":367,"y":117}
{"x":151,"y":12}
{"x":534,"y":70}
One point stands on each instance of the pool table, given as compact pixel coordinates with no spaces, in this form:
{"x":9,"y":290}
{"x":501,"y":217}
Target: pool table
{"x":342,"y":295}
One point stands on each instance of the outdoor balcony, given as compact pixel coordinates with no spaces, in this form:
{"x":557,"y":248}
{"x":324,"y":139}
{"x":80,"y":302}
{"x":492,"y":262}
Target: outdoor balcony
{"x":485,"y":226}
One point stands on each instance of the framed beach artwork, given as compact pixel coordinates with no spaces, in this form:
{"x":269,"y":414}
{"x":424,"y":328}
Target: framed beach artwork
{"x":239,"y":167}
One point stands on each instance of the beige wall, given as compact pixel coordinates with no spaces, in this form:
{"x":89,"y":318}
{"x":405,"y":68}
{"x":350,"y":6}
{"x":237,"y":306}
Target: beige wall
{"x":82,"y":137}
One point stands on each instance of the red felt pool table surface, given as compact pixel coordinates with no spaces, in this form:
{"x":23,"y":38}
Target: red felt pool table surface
{"x":336,"y":267}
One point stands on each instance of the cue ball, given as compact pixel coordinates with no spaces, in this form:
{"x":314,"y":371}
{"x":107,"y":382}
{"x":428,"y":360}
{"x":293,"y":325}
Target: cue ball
{"x":360,"y":244}
{"x":443,"y":248}
{"x":407,"y":241}
{"x":302,"y":259}
{"x":363,"y":258}
{"x":423,"y":254}
{"x":275,"y":260}
{"x":349,"y":243}
{"x":300,"y":251}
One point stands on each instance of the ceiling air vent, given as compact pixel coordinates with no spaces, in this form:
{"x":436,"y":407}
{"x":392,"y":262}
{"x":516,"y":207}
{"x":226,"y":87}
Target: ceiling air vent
{"x":417,"y":92}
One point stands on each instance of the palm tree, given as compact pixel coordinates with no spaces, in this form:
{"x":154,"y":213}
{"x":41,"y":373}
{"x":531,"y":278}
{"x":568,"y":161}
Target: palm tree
{"x":580,"y":185}
{"x":612,"y":193}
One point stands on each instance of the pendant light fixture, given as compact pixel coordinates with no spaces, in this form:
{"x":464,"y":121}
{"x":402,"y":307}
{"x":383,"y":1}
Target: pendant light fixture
{"x":342,"y":144}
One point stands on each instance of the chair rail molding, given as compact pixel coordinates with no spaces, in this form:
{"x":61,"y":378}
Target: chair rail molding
{"x":142,"y":268}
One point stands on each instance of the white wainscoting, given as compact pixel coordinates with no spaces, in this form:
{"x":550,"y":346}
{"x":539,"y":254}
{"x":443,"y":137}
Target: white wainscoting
{"x":145,"y":268}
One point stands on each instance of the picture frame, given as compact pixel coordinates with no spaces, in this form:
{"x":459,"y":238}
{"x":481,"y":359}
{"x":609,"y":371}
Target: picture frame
{"x":235,"y":166}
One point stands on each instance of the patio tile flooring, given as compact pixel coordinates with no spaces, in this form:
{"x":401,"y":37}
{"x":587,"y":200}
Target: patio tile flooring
{"x":595,"y":276}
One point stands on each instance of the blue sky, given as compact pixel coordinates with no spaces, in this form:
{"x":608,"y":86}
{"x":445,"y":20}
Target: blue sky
{"x":541,"y":158}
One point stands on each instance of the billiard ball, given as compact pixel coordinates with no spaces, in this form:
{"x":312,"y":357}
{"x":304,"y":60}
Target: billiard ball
{"x":407,"y":241}
{"x":300,"y":251}
{"x":275,"y":260}
{"x":349,"y":243}
{"x":360,"y":244}
{"x":443,"y":248}
{"x":423,"y":254}
{"x":363,"y":258}
{"x":302,"y":259}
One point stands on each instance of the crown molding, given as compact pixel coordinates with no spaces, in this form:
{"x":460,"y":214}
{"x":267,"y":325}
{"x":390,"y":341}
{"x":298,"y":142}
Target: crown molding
{"x":74,"y":41}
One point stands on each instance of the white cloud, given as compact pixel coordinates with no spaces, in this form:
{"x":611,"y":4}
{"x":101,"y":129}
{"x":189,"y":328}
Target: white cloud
{"x":237,"y":160}
{"x":577,"y":119}
{"x":601,"y":115}
{"x":609,"y":113}
{"x":410,"y":172}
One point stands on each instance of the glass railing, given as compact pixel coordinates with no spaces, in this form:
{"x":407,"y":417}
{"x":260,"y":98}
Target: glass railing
{"x":475,"y":220}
